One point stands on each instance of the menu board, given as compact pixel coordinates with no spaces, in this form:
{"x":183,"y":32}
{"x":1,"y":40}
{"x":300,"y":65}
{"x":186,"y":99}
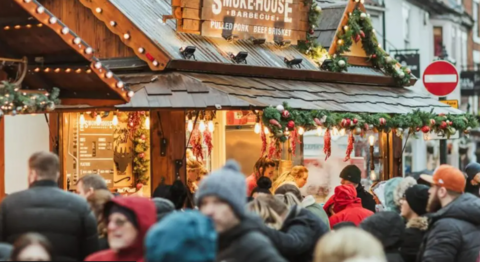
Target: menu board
{"x":93,"y":148}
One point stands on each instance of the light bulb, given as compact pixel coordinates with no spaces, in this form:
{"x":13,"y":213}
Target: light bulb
{"x":211,"y":126}
{"x":202,"y":126}
{"x":342,"y":132}
{"x":131,"y":93}
{"x":319,"y":131}
{"x":88,"y":50}
{"x":77,"y":40}
{"x":98,"y":65}
{"x":82,"y":119}
{"x":190,"y":125}
{"x":115,"y":120}
{"x":98,"y":120}
{"x":147,"y":122}
{"x":65,"y":30}
{"x":155,"y":62}
{"x":52,"y":20}
{"x":98,"y":10}
{"x":373,"y":176}
{"x":426,"y":136}
{"x":119,"y":84}
{"x":40,"y":9}
{"x":113,"y":23}
{"x":109,"y":74}
{"x":335,"y":132}
{"x":126,"y":36}
{"x":141,"y":50}
{"x":257,"y":128}
{"x":371,"y":140}
{"x":266,"y":131}
{"x":301,"y":131}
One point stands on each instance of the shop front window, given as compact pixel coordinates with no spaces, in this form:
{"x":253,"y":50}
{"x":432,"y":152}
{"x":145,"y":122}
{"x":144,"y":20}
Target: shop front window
{"x":114,"y":145}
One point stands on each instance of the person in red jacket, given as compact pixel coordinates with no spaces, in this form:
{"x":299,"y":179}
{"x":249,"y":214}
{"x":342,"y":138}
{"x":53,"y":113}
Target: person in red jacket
{"x":129,"y":219}
{"x":346,"y":206}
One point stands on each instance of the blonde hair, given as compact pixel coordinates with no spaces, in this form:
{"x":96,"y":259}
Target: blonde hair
{"x":347,"y":243}
{"x":268,"y":215}
{"x":288,"y":199}
{"x":97,"y":202}
{"x":289,"y":176}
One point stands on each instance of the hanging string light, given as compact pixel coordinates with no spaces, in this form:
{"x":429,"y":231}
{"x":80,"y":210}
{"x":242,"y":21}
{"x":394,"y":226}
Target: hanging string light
{"x":301,"y":130}
{"x":257,"y":128}
{"x":82,"y":119}
{"x":190,"y":125}
{"x":98,"y":119}
{"x":115,"y":119}
{"x":266,"y":131}
{"x":211,"y":126}
{"x":202,"y":126}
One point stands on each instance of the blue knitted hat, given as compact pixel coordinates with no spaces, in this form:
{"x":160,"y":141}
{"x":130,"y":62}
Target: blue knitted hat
{"x":182,"y":236}
{"x":228,"y":184}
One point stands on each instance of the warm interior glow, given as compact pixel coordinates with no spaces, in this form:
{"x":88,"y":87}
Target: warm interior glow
{"x":319,"y":131}
{"x":82,"y":119}
{"x":211,"y":126}
{"x":190,"y":125}
{"x":98,"y":120}
{"x":266,"y":131}
{"x":147,"y":122}
{"x":371,"y":140}
{"x":373,"y":176}
{"x":301,"y":131}
{"x":115,"y":120}
{"x":257,"y":128}
{"x":202,"y":126}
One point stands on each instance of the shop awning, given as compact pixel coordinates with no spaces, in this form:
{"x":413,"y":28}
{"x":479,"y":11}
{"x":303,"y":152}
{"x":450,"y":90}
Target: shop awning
{"x":196,"y":91}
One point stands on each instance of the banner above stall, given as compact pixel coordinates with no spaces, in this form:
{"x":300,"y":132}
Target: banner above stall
{"x":269,"y":20}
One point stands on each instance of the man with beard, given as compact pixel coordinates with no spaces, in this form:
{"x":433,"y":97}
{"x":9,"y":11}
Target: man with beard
{"x":473,"y":179}
{"x":455,"y":223}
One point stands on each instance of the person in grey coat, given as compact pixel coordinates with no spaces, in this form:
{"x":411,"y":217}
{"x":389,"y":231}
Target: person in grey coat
{"x":222,"y":197}
{"x":63,"y":218}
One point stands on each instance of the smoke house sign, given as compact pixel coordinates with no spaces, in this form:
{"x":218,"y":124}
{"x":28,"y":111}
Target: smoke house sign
{"x":273,"y":20}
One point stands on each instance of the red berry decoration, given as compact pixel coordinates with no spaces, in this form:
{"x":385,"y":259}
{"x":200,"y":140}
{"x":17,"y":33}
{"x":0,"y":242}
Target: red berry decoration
{"x":141,"y":155}
{"x":290,"y":124}
{"x":285,"y":114}
{"x":365,"y":126}
{"x":374,"y":56}
{"x":382,"y":121}
{"x":355,"y":121}
{"x":348,"y":122}
{"x":143,"y":137}
{"x":425,"y":129}
{"x":343,"y":123}
{"x":443,"y":125}
{"x":418,"y":129}
{"x":139,"y":186}
{"x":449,"y":123}
{"x":358,"y":38}
{"x":312,"y":31}
{"x":432,"y":122}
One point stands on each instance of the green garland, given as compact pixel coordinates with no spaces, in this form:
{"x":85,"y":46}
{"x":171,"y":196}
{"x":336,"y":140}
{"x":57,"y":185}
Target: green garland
{"x":310,"y":46}
{"x":359,"y":28}
{"x":13,"y":101}
{"x":140,"y":147}
{"x":281,"y":118}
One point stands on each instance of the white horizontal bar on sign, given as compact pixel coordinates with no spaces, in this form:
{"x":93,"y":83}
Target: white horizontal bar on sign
{"x":441,"y":78}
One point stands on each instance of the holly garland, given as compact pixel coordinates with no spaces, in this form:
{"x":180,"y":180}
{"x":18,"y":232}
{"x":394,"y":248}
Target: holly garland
{"x":310,"y":46}
{"x":13,"y":101}
{"x":282,"y":119}
{"x":359,"y":28}
{"x":140,"y":147}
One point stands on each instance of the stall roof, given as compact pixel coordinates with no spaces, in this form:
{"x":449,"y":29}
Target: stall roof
{"x":194,"y":91}
{"x":54,"y":59}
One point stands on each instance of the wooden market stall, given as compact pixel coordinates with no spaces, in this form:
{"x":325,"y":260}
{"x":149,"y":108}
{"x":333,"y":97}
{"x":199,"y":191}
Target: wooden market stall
{"x":223,"y":76}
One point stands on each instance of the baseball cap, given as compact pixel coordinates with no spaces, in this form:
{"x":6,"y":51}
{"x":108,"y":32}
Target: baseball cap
{"x":448,"y":177}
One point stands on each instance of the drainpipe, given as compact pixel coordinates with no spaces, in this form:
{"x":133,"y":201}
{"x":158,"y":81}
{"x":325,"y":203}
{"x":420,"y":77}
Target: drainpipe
{"x":383,"y":26}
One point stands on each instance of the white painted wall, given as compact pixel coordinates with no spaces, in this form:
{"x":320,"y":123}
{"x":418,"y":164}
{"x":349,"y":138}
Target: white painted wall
{"x":24,"y":135}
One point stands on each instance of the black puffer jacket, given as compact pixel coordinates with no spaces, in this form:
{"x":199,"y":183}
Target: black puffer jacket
{"x":472,"y":170}
{"x":245,"y":242}
{"x":63,"y":218}
{"x":412,"y":239}
{"x":454,"y":231}
{"x":297,"y":238}
{"x":388,"y":228}
{"x":367,"y":199}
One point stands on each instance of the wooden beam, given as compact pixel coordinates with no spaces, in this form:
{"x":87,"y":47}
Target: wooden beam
{"x":123,"y":25}
{"x":91,"y":102}
{"x":80,"y":47}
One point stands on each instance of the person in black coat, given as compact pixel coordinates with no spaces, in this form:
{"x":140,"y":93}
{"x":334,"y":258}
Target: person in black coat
{"x":63,"y":218}
{"x":299,"y":233}
{"x":352,"y":175}
{"x":413,"y":209}
{"x":473,"y":179}
{"x":454,"y":227}
{"x":388,"y":228}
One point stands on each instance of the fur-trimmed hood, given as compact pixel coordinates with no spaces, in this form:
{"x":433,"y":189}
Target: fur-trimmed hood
{"x":418,"y":223}
{"x":399,"y":191}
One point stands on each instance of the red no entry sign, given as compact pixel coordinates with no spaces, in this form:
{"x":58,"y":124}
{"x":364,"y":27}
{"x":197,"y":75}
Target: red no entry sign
{"x":440,"y":78}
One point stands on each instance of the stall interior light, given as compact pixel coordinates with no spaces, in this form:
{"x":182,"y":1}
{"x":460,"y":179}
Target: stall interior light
{"x":115,"y":119}
{"x":190,"y":125}
{"x":301,"y":131}
{"x":266,"y":131}
{"x":147,"y":122}
{"x":211,"y":126}
{"x":98,"y":119}
{"x":201,"y":126}
{"x":371,"y":140}
{"x":320,"y":131}
{"x":82,"y":119}
{"x":257,"y":128}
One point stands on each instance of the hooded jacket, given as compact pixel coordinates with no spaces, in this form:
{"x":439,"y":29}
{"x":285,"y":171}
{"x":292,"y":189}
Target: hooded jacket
{"x":453,"y":234}
{"x":297,"y":238}
{"x":347,"y":206}
{"x":145,"y":214}
{"x":312,"y":206}
{"x":245,"y":242}
{"x":389,"y":191}
{"x":412,"y":238}
{"x":388,"y":228}
{"x":367,"y":200}
{"x":472,"y":170}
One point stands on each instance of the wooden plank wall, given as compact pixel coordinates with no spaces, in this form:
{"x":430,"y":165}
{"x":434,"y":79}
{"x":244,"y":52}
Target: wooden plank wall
{"x":82,"y":21}
{"x":169,"y":125}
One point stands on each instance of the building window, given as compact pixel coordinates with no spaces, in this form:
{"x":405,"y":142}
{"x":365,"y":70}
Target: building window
{"x":476,"y":28}
{"x":437,"y":40}
{"x":453,"y":54}
{"x":406,"y":24}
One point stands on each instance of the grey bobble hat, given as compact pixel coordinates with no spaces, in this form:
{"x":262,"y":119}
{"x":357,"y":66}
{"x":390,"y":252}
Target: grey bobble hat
{"x":227,"y":183}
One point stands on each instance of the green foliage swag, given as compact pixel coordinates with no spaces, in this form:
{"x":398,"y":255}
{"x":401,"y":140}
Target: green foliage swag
{"x":14,"y":101}
{"x":141,"y":146}
{"x":309,"y":46}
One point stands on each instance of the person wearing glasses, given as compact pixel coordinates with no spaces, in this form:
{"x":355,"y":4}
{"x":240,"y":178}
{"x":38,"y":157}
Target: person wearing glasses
{"x":128,"y":220}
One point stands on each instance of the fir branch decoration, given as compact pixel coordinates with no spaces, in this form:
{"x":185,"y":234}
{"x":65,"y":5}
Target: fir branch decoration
{"x":310,"y":46}
{"x":141,"y":144}
{"x":283,"y":119}
{"x":13,"y":101}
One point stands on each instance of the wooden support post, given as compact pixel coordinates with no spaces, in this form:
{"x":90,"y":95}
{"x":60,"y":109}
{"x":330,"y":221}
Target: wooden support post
{"x":397,"y":156}
{"x":169,"y":125}
{"x":2,"y":158}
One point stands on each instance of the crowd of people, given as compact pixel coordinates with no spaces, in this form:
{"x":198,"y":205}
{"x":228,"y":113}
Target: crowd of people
{"x":262,"y":218}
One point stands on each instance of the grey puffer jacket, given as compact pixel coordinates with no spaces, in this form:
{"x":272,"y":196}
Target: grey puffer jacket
{"x":454,"y":232}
